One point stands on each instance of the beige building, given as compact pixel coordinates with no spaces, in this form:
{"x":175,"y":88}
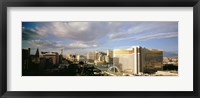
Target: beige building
{"x":91,"y":56}
{"x":137,"y":60}
{"x":110,"y":53}
{"x":152,"y":60}
{"x":96,"y":56}
{"x":109,"y":56}
{"x":107,"y":59}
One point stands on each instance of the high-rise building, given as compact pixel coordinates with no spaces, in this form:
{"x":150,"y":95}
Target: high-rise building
{"x":26,"y":59}
{"x":107,"y":59}
{"x":68,"y":56}
{"x":109,"y":56}
{"x":124,"y":60}
{"x":152,"y":60}
{"x":78,"y":57}
{"x":61,"y":57}
{"x":91,"y":56}
{"x":110,"y":53}
{"x":137,"y":60}
{"x":71,"y":57}
{"x":37,"y":56}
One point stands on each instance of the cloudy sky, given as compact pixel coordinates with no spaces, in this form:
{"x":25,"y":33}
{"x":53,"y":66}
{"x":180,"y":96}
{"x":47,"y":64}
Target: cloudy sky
{"x":82,"y":37}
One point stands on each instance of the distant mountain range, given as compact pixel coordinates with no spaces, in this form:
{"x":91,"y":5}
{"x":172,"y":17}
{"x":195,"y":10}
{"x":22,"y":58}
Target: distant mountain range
{"x":170,"y":54}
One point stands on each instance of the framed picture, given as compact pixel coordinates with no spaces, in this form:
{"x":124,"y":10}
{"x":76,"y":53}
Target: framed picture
{"x":85,"y":48}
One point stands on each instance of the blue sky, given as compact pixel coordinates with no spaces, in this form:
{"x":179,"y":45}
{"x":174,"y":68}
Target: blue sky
{"x":82,"y":37}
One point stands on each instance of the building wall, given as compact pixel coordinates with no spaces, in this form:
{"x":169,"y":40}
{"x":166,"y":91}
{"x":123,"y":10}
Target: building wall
{"x":138,"y":60}
{"x":124,"y":62}
{"x":153,"y":60}
{"x":91,"y":56}
{"x":107,"y":59}
{"x":26,"y":60}
{"x":53,"y":57}
{"x":110,"y":53}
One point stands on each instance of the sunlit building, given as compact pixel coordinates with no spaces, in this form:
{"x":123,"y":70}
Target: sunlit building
{"x":67,"y":56}
{"x":152,"y":60}
{"x":110,"y":53}
{"x":78,"y":57}
{"x":101,"y":57}
{"x":107,"y":59}
{"x":137,"y":60}
{"x":71,"y":57}
{"x":109,"y":56}
{"x":91,"y":56}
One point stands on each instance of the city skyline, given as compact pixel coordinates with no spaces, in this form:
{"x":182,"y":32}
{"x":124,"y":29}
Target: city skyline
{"x":82,"y":37}
{"x":136,"y":60}
{"x":100,"y":48}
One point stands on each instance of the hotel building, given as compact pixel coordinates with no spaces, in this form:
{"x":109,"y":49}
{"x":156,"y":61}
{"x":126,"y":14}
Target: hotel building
{"x":137,"y":60}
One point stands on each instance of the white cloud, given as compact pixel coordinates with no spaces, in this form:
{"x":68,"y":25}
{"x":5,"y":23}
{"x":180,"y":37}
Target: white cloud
{"x":58,"y":45}
{"x":30,"y":33}
{"x":79,"y":35}
{"x":88,"y":33}
{"x":78,"y":45}
{"x":150,"y":36}
{"x":147,"y":29}
{"x":78,"y":31}
{"x":46,"y":44}
{"x":157,"y":36}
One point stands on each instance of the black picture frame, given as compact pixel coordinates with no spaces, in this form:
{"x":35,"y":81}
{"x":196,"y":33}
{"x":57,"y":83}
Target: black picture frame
{"x":99,"y":3}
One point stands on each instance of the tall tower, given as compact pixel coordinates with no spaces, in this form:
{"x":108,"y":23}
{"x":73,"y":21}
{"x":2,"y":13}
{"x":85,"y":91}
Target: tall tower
{"x":61,"y":56}
{"x":61,"y":52}
{"x":37,"y":55}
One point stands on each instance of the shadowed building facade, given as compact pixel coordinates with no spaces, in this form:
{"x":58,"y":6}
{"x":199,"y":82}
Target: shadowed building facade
{"x":26,"y":60}
{"x":54,"y":56}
